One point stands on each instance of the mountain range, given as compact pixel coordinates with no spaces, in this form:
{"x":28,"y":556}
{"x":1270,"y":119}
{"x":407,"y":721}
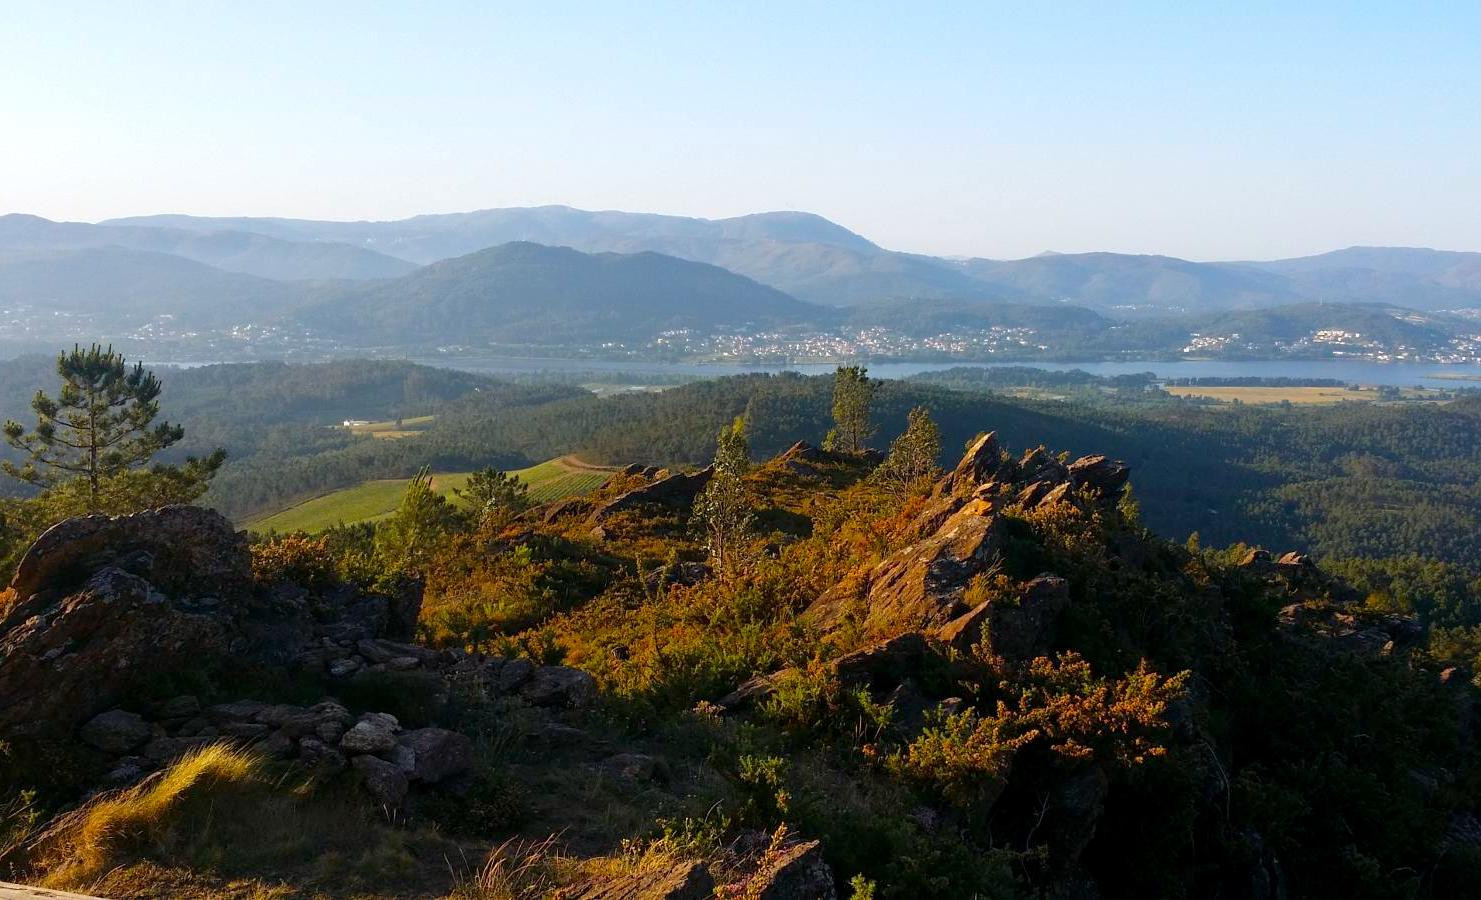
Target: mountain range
{"x":552,"y":274}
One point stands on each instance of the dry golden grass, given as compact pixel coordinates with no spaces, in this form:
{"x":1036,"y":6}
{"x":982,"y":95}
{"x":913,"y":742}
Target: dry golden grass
{"x":83,"y":844}
{"x":1265,"y":395}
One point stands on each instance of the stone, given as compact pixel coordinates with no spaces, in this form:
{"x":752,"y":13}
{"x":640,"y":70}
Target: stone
{"x":683,"y":880}
{"x":979,"y":464}
{"x":319,"y":755}
{"x":795,"y":872}
{"x":1099,"y":475}
{"x":635,"y":768}
{"x":183,"y":707}
{"x":116,"y":731}
{"x":385,"y":783}
{"x":560,"y":686}
{"x":240,"y":711}
{"x":882,"y":665}
{"x":436,"y":753}
{"x":1016,"y":631}
{"x":403,"y":758}
{"x":515,"y":673}
{"x":368,"y":738}
{"x":402,"y":663}
{"x":245,"y":730}
{"x":276,"y":746}
{"x":341,"y":668}
{"x":920,"y":586}
{"x":676,"y":491}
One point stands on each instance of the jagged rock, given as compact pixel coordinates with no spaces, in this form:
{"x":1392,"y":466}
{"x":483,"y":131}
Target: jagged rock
{"x":684,"y":880}
{"x":751,"y":690}
{"x":436,"y":753}
{"x":1060,"y":493}
{"x":675,"y":491}
{"x":116,"y":731}
{"x":560,"y":686}
{"x":385,"y":783}
{"x":797,"y":872}
{"x":979,"y":464}
{"x":631,"y":469}
{"x":1017,"y":631}
{"x":1255,"y":558}
{"x":1295,"y":560}
{"x":1370,"y":635}
{"x":920,"y":586}
{"x":1099,"y":475}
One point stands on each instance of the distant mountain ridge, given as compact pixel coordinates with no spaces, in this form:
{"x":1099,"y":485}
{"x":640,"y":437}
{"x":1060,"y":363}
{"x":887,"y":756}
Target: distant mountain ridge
{"x":819,"y":261}
{"x":244,"y":252}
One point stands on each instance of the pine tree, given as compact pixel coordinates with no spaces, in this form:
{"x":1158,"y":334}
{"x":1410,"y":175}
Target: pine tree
{"x":491,"y":491}
{"x":723,"y":508}
{"x":913,"y":454}
{"x":99,"y":426}
{"x":853,"y":395}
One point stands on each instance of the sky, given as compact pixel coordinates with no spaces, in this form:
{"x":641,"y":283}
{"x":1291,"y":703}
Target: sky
{"x":1200,"y":130}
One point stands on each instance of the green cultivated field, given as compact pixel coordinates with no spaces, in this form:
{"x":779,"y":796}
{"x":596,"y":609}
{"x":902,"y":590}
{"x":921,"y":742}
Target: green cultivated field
{"x":550,"y":480}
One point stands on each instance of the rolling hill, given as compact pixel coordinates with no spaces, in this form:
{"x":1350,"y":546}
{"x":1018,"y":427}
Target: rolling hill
{"x":113,"y":289}
{"x":530,"y":293}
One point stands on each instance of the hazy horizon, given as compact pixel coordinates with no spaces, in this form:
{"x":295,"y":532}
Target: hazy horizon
{"x":1003,"y":134}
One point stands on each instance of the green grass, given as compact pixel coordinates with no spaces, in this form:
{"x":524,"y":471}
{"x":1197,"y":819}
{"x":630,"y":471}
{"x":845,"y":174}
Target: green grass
{"x":550,"y":480}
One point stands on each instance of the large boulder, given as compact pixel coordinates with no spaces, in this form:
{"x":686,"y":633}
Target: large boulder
{"x":181,"y":550}
{"x":560,"y":686}
{"x":436,"y":753}
{"x":66,"y":656}
{"x":116,"y":731}
{"x":979,"y":464}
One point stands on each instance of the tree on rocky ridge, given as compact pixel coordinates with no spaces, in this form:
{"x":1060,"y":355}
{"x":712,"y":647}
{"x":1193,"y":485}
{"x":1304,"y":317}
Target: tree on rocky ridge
{"x":913,"y":454}
{"x":99,"y":428}
{"x":724,"y":506}
{"x":853,"y":396}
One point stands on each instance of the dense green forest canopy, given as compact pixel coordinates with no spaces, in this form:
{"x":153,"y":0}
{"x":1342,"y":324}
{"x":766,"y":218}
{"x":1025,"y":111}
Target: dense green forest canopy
{"x":1350,"y":480}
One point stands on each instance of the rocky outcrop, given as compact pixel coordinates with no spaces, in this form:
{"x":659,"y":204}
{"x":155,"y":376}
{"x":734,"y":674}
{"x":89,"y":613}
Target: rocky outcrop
{"x":1014,"y":628}
{"x":1356,"y":632}
{"x":793,"y":872}
{"x":1099,"y":475}
{"x":921,"y":586}
{"x":675,"y":491}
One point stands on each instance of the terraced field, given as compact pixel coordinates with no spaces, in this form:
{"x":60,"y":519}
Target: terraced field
{"x":550,"y":480}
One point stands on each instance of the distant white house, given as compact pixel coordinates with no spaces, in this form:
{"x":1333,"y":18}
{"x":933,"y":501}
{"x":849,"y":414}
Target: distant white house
{"x":355,"y":423}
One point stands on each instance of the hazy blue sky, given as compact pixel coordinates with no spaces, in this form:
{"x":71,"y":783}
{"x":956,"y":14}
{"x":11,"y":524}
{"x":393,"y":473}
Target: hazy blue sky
{"x":1202,"y":130}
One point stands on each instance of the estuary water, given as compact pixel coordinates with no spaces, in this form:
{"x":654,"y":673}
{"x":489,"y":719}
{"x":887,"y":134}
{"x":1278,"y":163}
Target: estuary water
{"x":1430,"y":375}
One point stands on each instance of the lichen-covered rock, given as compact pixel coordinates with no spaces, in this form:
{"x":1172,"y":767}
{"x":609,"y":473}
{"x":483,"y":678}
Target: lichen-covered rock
{"x":372,"y":734}
{"x":1099,"y":475}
